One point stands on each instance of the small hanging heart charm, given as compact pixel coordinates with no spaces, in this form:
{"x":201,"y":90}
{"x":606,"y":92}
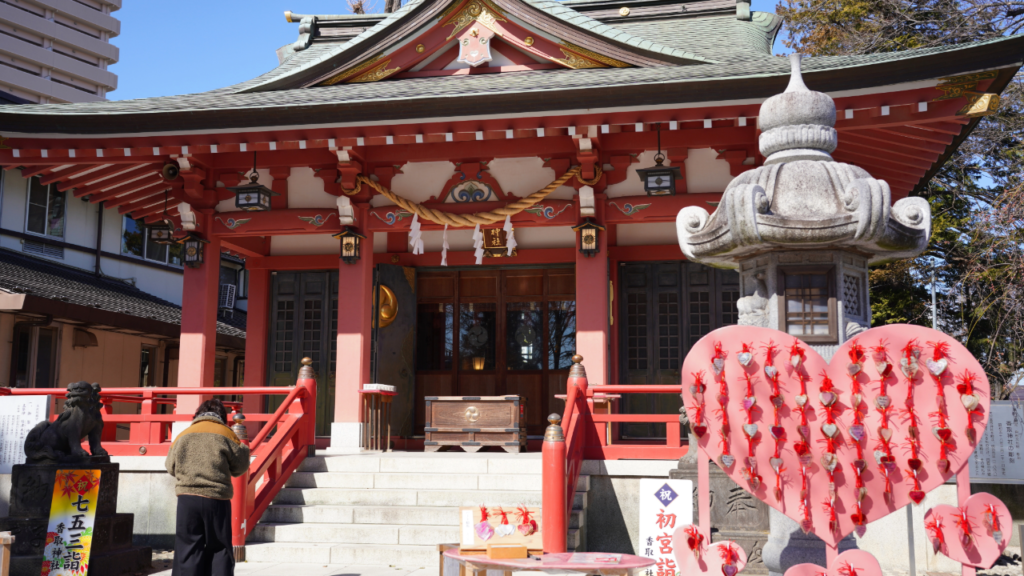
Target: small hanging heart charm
{"x":997,"y":535}
{"x":857,"y":432}
{"x":971,"y":436}
{"x":700,"y":430}
{"x":943,"y":434}
{"x":718,"y":364}
{"x":800,"y":400}
{"x":884,"y":433}
{"x":855,"y":400}
{"x":726,"y":460}
{"x":879,"y":454}
{"x":882,"y":402}
{"x":744,"y":358}
{"x":750,"y":430}
{"x":827,"y":398}
{"x":857,"y":519}
{"x":771,"y":371}
{"x":859,"y":465}
{"x":729,"y":569}
{"x":749,"y":402}
{"x":829,"y":429}
{"x":723,"y":399}
{"x":943,"y":465}
{"x":752,"y":462}
{"x":805,"y":431}
{"x":776,"y":464}
{"x":916,"y":495}
{"x":970,"y":401}
{"x":914,"y":463}
{"x":829,"y":461}
{"x":912,"y":432}
{"x":778,"y":432}
{"x":801,"y":448}
{"x":778,"y":400}
{"x":805,"y":460}
{"x":908,"y":367}
{"x":883,"y":367}
{"x":755,"y":483}
{"x":936,"y":367}
{"x":504,"y":530}
{"x":860,"y":530}
{"x":852,"y":369}
{"x":806,"y":525}
{"x":861,"y":493}
{"x":726,"y":429}
{"x":795,"y":360}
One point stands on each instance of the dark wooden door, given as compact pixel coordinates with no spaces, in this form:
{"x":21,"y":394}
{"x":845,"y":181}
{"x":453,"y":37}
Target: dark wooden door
{"x":665,"y":307}
{"x":304,"y":323}
{"x":496,"y":332}
{"x":394,"y":335}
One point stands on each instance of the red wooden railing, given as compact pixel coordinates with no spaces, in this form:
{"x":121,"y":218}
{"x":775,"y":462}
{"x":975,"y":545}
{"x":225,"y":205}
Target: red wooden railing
{"x":584,"y":437}
{"x":286,"y":437}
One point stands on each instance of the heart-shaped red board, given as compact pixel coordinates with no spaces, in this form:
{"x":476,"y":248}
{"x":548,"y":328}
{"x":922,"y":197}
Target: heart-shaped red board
{"x":983,"y":514}
{"x":849,"y":563}
{"x":766,"y":433}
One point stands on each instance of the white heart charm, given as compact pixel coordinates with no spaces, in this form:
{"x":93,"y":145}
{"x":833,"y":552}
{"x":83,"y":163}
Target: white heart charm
{"x":749,"y":402}
{"x":882,"y":402}
{"x":718,"y":364}
{"x":970,"y":401}
{"x":771,"y":371}
{"x":856,"y":398}
{"x":776,"y":464}
{"x":879,"y":454}
{"x":853,"y":369}
{"x":908,"y":367}
{"x":727,"y":460}
{"x":750,"y":430}
{"x":801,"y":400}
{"x":936,"y":367}
{"x":744,"y":358}
{"x":827,"y":398}
{"x":829,"y":429}
{"x":829,"y":461}
{"x":882,"y":366}
{"x":795,"y":360}
{"x":857,"y":432}
{"x":503,"y":530}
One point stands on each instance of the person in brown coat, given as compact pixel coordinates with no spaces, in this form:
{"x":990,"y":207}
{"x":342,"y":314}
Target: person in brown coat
{"x":203,"y":459}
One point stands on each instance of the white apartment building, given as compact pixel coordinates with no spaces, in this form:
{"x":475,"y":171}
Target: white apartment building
{"x":55,"y":51}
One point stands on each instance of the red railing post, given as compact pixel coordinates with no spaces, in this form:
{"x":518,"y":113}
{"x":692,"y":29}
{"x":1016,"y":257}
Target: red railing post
{"x":307,"y":380}
{"x":553,"y":509}
{"x":240,"y":499}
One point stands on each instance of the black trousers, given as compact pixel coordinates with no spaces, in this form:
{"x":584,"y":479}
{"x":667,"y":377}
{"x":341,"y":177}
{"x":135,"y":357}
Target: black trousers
{"x":202,"y":538}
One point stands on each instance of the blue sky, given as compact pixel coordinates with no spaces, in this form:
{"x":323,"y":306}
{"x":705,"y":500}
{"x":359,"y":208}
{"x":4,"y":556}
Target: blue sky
{"x":193,"y":46}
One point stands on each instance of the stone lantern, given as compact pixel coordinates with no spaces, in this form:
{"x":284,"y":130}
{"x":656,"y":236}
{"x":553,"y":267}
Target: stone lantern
{"x":802,"y":231}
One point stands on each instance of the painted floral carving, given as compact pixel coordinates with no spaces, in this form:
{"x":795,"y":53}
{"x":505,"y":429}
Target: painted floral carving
{"x":547,"y":212}
{"x":630,"y":209}
{"x":390,"y":218}
{"x":318,"y":220}
{"x":232,"y":223}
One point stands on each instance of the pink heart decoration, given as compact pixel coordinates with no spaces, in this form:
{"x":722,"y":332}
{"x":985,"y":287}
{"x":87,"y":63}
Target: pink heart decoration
{"x":809,"y":441}
{"x":849,"y":563}
{"x":984,"y":549}
{"x":711,"y":560}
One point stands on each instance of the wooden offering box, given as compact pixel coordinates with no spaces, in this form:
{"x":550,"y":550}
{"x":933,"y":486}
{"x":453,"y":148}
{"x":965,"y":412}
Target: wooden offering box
{"x":473,"y":422}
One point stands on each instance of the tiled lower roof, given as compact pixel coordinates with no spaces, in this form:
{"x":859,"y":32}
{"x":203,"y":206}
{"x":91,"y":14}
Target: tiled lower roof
{"x":23,"y":274}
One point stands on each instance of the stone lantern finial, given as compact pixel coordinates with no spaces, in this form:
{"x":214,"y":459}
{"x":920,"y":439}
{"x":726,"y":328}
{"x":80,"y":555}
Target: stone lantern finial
{"x":797,"y":124}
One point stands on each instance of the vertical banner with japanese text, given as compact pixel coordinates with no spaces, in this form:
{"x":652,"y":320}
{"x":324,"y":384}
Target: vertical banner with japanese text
{"x":72,"y":515}
{"x":664,"y":506}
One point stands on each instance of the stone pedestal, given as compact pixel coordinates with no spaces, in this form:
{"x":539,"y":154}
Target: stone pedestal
{"x":735,"y":514}
{"x":789,"y":545}
{"x":31,"y":493}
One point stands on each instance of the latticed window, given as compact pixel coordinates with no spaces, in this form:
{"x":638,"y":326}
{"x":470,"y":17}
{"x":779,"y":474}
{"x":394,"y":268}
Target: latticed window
{"x":333,"y":336}
{"x":283,"y":338}
{"x":730,"y":313}
{"x":700,"y":315}
{"x":668,"y":331}
{"x":809,"y":303}
{"x":312,"y":326}
{"x":636,"y":331}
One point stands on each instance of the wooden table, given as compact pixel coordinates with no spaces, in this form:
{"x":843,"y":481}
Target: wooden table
{"x":602,"y":405}
{"x":472,"y":422}
{"x":472,"y":565}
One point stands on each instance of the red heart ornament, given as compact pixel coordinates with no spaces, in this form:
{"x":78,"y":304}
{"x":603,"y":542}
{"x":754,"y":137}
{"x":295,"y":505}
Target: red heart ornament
{"x":712,"y":559}
{"x":984,"y":549}
{"x":877,"y":503}
{"x":849,"y":563}
{"x":700,"y":430}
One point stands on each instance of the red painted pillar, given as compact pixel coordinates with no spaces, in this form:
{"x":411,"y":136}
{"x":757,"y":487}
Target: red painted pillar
{"x":199,"y":321}
{"x":355,"y":309}
{"x":592,"y":305}
{"x":256,"y":333}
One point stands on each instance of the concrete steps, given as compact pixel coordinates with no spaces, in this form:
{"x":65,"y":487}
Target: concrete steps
{"x":394,"y":508}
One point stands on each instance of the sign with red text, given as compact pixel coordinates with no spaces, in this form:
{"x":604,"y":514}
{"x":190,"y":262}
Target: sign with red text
{"x":664,"y":506}
{"x":72,"y":517}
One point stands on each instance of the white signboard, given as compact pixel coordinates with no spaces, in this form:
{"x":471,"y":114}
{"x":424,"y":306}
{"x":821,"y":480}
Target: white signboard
{"x":999,"y":456}
{"x":664,"y":506}
{"x":18,"y":415}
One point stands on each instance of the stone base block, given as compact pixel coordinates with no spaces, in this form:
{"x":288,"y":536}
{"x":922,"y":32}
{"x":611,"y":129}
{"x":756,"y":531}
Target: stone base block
{"x":751,"y":542}
{"x":32,"y":488}
{"x":109,"y":533}
{"x":116,"y":563}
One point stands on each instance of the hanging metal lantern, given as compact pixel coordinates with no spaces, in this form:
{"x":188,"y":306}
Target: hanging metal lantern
{"x":193,"y":252}
{"x":161,"y":232}
{"x":659,"y":180}
{"x":253,"y":197}
{"x":351,"y":241}
{"x":589,"y":239}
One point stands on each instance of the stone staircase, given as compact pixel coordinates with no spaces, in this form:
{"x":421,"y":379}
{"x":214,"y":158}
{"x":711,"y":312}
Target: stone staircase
{"x":394,"y":508}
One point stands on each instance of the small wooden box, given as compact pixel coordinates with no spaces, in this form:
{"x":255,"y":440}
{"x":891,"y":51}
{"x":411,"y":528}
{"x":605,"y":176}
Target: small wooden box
{"x":505,"y":551}
{"x":473,"y":422}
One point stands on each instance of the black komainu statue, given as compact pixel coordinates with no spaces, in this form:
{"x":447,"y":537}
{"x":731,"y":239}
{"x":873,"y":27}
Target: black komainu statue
{"x":60,"y":442}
